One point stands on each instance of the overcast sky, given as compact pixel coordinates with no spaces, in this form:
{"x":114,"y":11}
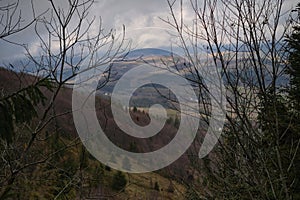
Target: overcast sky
{"x":141,"y":18}
{"x":137,"y":15}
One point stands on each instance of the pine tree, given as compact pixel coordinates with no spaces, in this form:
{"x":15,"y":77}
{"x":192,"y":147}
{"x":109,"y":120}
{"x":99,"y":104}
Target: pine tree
{"x":20,"y":107}
{"x":156,"y":186}
{"x":176,"y":122}
{"x":293,"y":71}
{"x":134,"y":109}
{"x":294,"y":61}
{"x":119,"y":181}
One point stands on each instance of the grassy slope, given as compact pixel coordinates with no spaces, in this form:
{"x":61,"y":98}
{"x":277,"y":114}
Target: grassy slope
{"x":139,"y":185}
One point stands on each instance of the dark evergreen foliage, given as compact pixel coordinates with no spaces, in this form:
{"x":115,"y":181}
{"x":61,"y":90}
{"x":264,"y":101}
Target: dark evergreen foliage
{"x":294,"y":61}
{"x":119,"y":181}
{"x":20,"y":107}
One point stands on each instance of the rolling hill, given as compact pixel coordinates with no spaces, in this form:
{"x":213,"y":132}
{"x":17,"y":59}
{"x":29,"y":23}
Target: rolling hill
{"x":139,"y":185}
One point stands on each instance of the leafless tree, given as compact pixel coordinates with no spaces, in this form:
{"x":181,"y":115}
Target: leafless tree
{"x":245,"y":41}
{"x":67,"y":38}
{"x":11,"y":20}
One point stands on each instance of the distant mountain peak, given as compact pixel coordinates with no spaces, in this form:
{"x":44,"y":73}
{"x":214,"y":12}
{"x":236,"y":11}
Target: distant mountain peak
{"x":147,"y":52}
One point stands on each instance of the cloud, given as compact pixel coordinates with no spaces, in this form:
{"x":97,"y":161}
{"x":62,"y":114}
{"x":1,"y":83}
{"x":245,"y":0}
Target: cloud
{"x":140,"y":17}
{"x":134,"y":14}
